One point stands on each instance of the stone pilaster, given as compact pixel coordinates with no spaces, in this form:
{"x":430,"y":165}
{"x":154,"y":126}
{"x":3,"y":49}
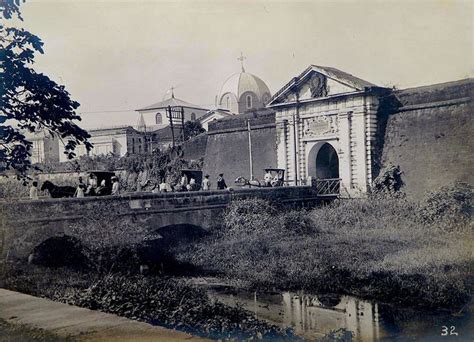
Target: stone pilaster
{"x":281,"y":143}
{"x":344,"y":123}
{"x":360,"y":150}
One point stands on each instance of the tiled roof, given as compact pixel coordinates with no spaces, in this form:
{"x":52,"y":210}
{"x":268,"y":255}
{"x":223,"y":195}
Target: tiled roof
{"x":173,"y":102}
{"x":211,"y":112}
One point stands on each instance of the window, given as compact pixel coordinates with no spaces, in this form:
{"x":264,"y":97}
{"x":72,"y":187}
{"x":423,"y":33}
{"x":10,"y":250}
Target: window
{"x":139,"y":148}
{"x":158,"y":119}
{"x":249,"y":101}
{"x":193,"y":116}
{"x":228,"y":102}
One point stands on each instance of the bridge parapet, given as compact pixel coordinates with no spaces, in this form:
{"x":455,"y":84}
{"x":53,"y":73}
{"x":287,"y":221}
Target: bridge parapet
{"x":42,"y":219}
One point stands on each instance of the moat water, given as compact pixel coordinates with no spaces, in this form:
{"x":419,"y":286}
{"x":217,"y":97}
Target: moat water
{"x":312,"y":316}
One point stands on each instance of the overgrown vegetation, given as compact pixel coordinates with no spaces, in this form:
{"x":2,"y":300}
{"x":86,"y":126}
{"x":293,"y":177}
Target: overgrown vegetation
{"x":161,"y":301}
{"x":383,"y":247}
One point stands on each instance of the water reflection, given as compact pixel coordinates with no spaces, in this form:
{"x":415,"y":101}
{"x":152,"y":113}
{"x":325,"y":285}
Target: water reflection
{"x":313,"y":316}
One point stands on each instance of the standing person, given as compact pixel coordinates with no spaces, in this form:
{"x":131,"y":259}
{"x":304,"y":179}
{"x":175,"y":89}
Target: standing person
{"x":81,"y":188}
{"x":34,"y":191}
{"x":156,"y":188}
{"x":101,"y":188}
{"x":184,"y":183}
{"x":164,"y":187}
{"x":206,"y":184}
{"x":221,"y":185}
{"x":192,"y":185}
{"x":115,"y":186}
{"x":81,"y":182}
{"x":268,"y":178}
{"x":91,"y":187}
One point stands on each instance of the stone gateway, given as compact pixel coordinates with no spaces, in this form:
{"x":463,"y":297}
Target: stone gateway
{"x":327,"y":124}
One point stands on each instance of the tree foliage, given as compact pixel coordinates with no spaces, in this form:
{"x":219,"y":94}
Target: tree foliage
{"x":192,"y":128}
{"x":30,"y":101}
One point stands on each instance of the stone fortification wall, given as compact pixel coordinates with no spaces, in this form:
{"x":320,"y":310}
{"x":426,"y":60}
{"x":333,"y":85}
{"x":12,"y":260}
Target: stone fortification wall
{"x":430,"y":136}
{"x":195,"y":148}
{"x":227,"y":149}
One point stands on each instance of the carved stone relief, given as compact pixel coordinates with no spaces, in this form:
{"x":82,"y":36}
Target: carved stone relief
{"x":321,"y":125}
{"x":318,"y":85}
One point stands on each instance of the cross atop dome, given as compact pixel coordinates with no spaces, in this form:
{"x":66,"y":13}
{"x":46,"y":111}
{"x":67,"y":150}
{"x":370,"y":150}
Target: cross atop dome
{"x":241,"y":59}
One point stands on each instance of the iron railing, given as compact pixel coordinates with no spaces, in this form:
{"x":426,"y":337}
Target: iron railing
{"x":327,"y":187}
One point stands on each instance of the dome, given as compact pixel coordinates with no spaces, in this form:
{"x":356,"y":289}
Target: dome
{"x":243,"y":92}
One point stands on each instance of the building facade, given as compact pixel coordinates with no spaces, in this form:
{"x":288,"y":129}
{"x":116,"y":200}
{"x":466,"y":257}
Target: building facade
{"x":157,"y":116}
{"x":45,"y":147}
{"x":326,"y":126}
{"x":120,"y":141}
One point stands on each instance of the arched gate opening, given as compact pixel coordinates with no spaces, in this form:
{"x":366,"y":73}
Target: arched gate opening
{"x":327,"y":162}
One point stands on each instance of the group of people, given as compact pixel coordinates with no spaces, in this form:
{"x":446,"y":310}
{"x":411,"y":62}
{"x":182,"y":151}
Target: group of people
{"x":190,"y":184}
{"x":92,"y":188}
{"x":270,"y":180}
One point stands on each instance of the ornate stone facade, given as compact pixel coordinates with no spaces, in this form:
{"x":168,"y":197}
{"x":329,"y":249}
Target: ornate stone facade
{"x":326,"y":128}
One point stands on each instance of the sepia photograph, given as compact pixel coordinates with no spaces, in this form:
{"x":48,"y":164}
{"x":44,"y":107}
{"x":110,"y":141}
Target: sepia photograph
{"x":236,"y":170}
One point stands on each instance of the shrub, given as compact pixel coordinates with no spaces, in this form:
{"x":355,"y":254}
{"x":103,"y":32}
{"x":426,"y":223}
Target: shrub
{"x":345,"y":246}
{"x":249,"y":216}
{"x":297,"y":222}
{"x":449,"y":202}
{"x":390,"y":181}
{"x":107,"y":235}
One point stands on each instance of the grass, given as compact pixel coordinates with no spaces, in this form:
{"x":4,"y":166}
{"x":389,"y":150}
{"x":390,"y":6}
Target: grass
{"x":383,"y":247}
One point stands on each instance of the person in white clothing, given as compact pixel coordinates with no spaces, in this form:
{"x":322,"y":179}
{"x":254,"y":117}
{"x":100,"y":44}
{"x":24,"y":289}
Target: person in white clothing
{"x":115,"y":186}
{"x":34,"y":191}
{"x":268,"y":179}
{"x":206,"y":184}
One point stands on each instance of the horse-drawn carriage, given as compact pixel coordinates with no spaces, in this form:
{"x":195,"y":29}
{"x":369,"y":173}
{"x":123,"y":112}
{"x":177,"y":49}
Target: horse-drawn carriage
{"x":98,"y":183}
{"x":191,"y":180}
{"x":103,"y":183}
{"x":273,"y":178}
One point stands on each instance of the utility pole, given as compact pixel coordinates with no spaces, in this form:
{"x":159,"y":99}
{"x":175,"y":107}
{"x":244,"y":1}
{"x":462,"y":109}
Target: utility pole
{"x":250,"y":150}
{"x":171,"y":124}
{"x":182,"y":123}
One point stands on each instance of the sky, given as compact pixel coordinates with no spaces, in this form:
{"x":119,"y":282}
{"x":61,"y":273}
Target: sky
{"x":117,"y":56}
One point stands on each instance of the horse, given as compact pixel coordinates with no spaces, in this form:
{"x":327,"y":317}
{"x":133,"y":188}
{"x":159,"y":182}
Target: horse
{"x":58,"y":191}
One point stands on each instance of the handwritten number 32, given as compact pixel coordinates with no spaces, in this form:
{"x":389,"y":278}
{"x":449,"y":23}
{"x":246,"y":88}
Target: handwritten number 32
{"x":445,"y":331}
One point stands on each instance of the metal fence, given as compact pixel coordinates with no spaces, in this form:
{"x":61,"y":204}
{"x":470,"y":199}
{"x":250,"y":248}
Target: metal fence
{"x":327,"y":187}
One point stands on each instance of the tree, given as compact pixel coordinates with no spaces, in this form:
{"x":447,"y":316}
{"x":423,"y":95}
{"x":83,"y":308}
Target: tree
{"x":30,"y":101}
{"x":192,"y":128}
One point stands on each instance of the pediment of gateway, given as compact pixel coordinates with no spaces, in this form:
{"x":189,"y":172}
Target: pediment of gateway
{"x":319,"y":82}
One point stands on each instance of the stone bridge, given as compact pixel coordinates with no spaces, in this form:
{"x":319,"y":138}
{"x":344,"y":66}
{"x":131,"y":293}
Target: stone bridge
{"x":26,"y":224}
